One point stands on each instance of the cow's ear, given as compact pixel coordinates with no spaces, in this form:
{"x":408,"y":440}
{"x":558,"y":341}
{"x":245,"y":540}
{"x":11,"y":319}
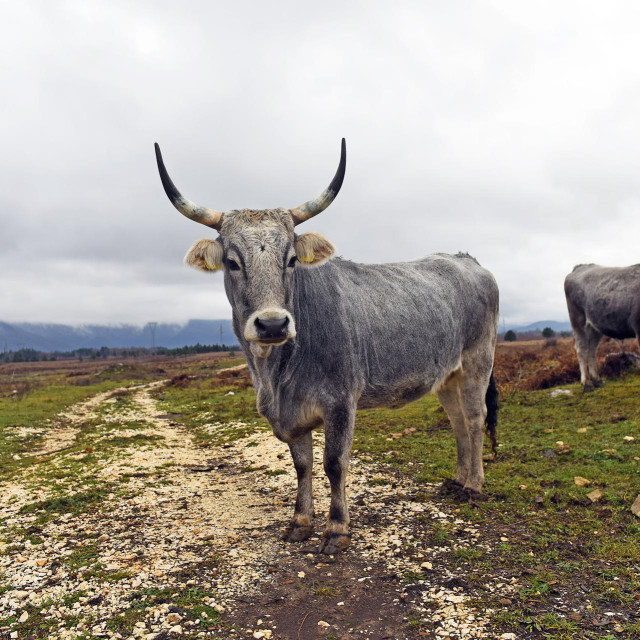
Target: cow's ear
{"x":313,"y":249}
{"x":205,"y":255}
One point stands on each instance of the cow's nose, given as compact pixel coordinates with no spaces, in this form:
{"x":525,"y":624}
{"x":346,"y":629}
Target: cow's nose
{"x":274,"y":329}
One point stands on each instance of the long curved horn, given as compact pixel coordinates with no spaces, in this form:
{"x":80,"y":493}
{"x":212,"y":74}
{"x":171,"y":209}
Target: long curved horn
{"x":208,"y":217}
{"x":315,"y":206}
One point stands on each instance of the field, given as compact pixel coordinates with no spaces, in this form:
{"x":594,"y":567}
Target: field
{"x":145,"y":499}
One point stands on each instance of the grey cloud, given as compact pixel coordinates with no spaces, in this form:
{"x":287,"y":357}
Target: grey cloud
{"x":499,"y":128}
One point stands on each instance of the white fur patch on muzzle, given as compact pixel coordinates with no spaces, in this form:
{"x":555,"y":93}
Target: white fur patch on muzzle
{"x":270,"y":326}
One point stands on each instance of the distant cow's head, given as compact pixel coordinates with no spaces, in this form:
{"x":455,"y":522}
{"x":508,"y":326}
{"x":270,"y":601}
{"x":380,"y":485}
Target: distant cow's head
{"x":259,"y":253}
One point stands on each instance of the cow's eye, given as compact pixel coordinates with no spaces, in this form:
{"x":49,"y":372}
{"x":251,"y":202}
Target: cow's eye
{"x":292,"y":262}
{"x":233,"y":265}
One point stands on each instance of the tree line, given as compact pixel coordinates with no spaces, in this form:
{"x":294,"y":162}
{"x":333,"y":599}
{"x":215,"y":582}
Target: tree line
{"x":34,"y":355}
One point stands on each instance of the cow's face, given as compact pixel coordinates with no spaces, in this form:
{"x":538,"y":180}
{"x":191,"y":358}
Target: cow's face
{"x":259,"y":254}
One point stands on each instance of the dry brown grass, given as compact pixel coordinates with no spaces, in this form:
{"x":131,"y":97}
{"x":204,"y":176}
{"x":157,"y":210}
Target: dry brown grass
{"x":238,"y":376}
{"x":540,"y":364}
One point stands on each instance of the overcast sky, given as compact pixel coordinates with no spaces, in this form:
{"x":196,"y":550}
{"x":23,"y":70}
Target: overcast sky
{"x":507,"y":129}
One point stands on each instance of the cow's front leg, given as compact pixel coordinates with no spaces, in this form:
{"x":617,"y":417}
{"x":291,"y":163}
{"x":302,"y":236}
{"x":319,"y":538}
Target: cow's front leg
{"x":338,"y":437}
{"x":301,"y":527}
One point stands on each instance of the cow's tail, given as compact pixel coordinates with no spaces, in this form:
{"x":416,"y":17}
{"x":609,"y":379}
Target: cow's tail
{"x":491,"y":422}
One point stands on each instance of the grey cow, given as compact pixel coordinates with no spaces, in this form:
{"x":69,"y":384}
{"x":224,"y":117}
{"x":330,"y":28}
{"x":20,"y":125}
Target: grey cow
{"x":602,"y":301}
{"x":324,"y":337}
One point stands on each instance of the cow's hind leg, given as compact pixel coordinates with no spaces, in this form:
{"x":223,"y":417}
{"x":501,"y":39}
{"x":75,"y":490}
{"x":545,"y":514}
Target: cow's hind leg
{"x":580,"y":343}
{"x":474,"y":381}
{"x":587,"y":340}
{"x":301,"y":527}
{"x":594,"y":337}
{"x":338,"y":432}
{"x":449,"y":395}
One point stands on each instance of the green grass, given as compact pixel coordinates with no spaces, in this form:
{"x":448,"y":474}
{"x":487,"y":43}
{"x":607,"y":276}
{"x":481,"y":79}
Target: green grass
{"x":203,"y":403}
{"x":39,"y":410}
{"x":191,"y":600}
{"x":555,"y":532}
{"x":558,"y":541}
{"x":139,"y":439}
{"x":73,"y":504}
{"x":82,"y":557}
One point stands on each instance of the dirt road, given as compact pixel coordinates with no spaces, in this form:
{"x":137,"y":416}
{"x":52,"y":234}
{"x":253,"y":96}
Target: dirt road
{"x":146,"y":534}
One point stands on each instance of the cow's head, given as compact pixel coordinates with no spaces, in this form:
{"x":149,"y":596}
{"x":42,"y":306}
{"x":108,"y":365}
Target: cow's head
{"x":259,"y":253}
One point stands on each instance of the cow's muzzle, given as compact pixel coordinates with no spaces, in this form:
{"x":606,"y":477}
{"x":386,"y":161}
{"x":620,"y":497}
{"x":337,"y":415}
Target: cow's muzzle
{"x":270,"y":327}
{"x":272,"y":330}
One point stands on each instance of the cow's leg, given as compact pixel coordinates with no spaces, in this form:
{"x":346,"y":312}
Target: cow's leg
{"x":449,"y":395}
{"x":586,"y":340}
{"x":301,"y":526}
{"x":580,"y":340}
{"x":582,"y":348}
{"x":593,"y":340}
{"x":338,"y":433}
{"x":474,"y":381}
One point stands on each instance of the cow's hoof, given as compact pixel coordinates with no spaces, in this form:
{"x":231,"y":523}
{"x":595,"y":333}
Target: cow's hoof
{"x":588,"y":388}
{"x":297,"y":533}
{"x":458,"y":492}
{"x":334,"y":543}
{"x":450,"y":485}
{"x":598,"y":383}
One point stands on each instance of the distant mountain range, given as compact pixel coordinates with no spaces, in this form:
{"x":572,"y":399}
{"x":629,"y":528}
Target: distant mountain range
{"x":62,"y":337}
{"x":539,"y":326}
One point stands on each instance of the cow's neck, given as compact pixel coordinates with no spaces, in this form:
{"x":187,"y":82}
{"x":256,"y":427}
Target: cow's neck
{"x":274,"y":373}
{"x":268,"y":367}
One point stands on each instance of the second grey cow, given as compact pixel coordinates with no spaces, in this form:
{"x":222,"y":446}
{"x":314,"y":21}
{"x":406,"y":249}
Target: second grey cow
{"x":602,"y":301}
{"x":324,"y":337}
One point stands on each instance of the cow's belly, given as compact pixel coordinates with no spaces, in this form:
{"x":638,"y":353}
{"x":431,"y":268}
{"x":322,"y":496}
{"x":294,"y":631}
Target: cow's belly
{"x":613,"y":324}
{"x":619,"y":332}
{"x":392,"y":397}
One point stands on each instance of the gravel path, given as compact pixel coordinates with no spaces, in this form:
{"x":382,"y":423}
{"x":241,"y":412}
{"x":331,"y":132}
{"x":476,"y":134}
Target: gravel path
{"x":183,"y":535}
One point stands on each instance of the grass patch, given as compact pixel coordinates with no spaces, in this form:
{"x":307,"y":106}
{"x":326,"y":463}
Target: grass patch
{"x":139,"y":439}
{"x":82,"y":557}
{"x":275,"y":472}
{"x":203,"y":403}
{"x":555,"y":532}
{"x":25,"y":419}
{"x":74,"y":504}
{"x":191,"y":600}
